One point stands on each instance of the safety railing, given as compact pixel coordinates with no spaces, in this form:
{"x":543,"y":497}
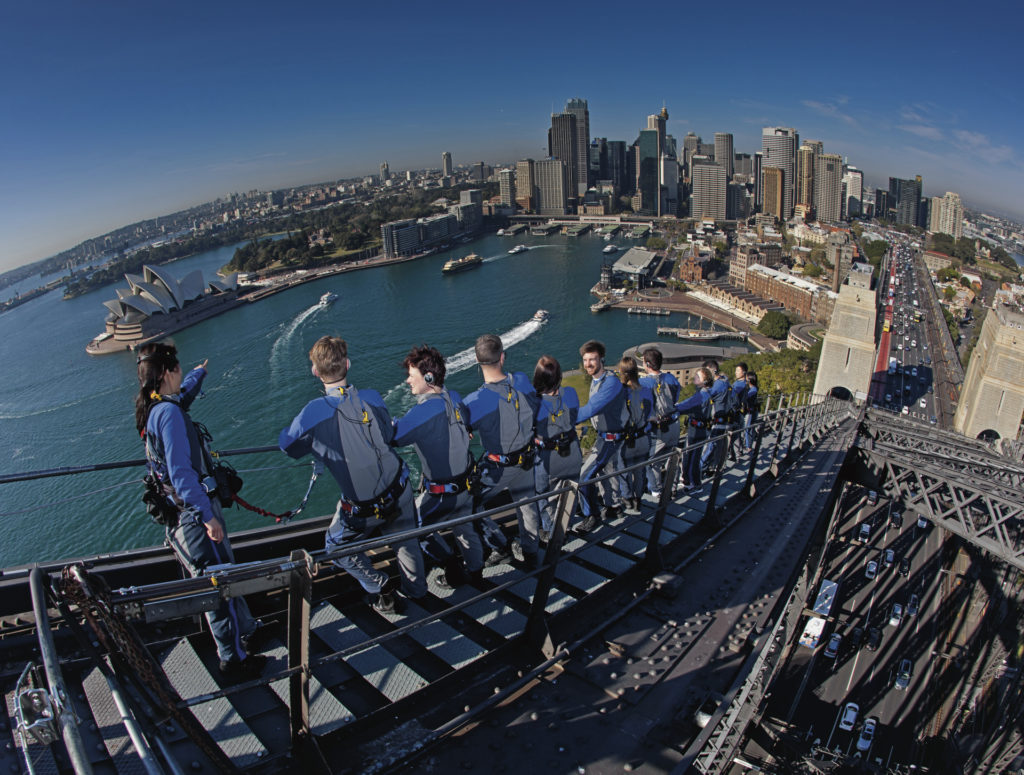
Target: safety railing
{"x":795,"y":421}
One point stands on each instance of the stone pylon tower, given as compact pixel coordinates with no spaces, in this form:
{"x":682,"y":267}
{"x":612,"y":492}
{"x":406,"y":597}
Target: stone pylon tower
{"x":992,"y":400}
{"x":848,"y":352}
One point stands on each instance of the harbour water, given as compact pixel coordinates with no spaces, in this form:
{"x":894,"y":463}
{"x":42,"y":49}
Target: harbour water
{"x":61,"y":407}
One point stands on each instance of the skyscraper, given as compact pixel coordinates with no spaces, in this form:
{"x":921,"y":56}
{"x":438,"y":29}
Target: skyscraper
{"x":447,"y":170}
{"x":908,"y":199}
{"x":805,"y":174}
{"x":724,"y":153}
{"x":526,"y":196}
{"x":507,"y":184}
{"x":385,"y":173}
{"x":853,"y":180}
{"x":578,"y":108}
{"x":691,"y":144}
{"x":551,"y":180}
{"x":947,"y":215}
{"x":562,"y":140}
{"x":598,"y":159}
{"x":773,"y":191}
{"x":779,"y":144}
{"x":648,"y":173}
{"x":828,"y":192}
{"x":708,"y":186}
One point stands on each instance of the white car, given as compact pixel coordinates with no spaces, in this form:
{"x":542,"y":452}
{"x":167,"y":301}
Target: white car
{"x":832,"y":649}
{"x":871,"y":570}
{"x":923,"y":404}
{"x":897,"y":615}
{"x":906,"y":410}
{"x":849,"y":718}
{"x":867,"y":734}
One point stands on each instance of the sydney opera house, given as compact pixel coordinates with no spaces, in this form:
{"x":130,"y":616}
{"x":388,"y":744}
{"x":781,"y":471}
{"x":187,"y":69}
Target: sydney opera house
{"x":155,"y":305}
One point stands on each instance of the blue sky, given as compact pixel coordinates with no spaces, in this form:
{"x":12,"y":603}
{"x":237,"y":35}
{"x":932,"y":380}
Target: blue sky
{"x":113,"y":112}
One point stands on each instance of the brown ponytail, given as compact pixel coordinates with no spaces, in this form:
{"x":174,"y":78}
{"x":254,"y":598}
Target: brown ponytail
{"x":154,"y":361}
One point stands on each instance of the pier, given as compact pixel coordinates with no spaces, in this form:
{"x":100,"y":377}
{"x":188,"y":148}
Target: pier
{"x":700,"y":335}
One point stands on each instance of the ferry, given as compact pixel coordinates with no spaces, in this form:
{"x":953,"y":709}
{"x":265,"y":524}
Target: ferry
{"x":610,"y":249}
{"x":328,"y":299}
{"x":518,"y":249}
{"x":460,"y":264}
{"x":500,"y":232}
{"x":541,"y":316}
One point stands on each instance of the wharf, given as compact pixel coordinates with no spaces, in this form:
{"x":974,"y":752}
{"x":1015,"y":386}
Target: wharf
{"x":577,"y":231}
{"x":514,"y":229}
{"x":648,"y":311}
{"x":696,"y":334}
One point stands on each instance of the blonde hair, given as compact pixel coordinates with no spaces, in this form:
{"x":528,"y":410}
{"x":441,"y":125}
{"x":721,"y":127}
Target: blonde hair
{"x":629,"y":372}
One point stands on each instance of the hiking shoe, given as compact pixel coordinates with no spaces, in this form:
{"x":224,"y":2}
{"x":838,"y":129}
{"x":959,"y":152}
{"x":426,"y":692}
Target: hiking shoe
{"x":517,"y":549}
{"x":239,"y":670}
{"x":497,"y":557}
{"x":588,"y":524}
{"x":632,"y":506}
{"x":545,"y":536}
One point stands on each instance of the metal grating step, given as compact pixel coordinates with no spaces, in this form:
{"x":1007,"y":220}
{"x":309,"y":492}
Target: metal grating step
{"x":109,"y":724}
{"x":579,"y":577}
{"x":557,"y":599}
{"x":378,"y":666}
{"x":326,"y":712}
{"x":439,"y":638}
{"x":613,"y":562}
{"x":190,"y":678}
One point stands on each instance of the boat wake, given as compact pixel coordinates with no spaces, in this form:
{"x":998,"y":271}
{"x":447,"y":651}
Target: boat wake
{"x":282,"y":341}
{"x":400,"y":400}
{"x":491,"y":259}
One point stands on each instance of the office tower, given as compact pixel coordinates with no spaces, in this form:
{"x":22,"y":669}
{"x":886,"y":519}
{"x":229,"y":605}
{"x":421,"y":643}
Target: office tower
{"x":839,"y":253}
{"x":471,"y":196}
{"x":479,"y":172}
{"x":883,"y":203}
{"x":805,"y":174}
{"x":723,"y":152}
{"x":618,"y":171}
{"x":992,"y":400}
{"x":828,"y":192}
{"x":669,"y":185}
{"x":743,"y":164}
{"x":657,"y":122}
{"x":690,"y":145}
{"x":447,"y":170}
{"x":758,"y":181}
{"x":526,"y":195}
{"x":598,"y":159}
{"x":853,"y":180}
{"x":908,"y":199}
{"x":708,"y":189}
{"x":562,"y":139}
{"x":400,"y":238}
{"x":947,"y":215}
{"x":578,"y":108}
{"x":507,"y":187}
{"x":648,"y":174}
{"x":774,"y":192}
{"x":923,"y":204}
{"x":738,"y":204}
{"x":385,"y":173}
{"x":779,"y":144}
{"x":552,"y":184}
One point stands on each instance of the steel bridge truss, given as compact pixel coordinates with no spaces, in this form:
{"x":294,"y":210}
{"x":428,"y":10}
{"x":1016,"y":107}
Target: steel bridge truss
{"x":957,"y":483}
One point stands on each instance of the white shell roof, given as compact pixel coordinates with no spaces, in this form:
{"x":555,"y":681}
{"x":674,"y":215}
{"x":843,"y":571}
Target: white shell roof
{"x":157,"y":291}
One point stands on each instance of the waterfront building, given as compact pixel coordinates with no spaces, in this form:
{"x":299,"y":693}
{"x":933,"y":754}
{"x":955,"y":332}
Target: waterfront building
{"x":400,"y":238}
{"x":773,"y":186}
{"x":581,"y":181}
{"x":723,"y":152}
{"x":946,"y":215}
{"x":551,"y":183}
{"x":853,"y":194}
{"x":636,"y":265}
{"x":828,"y":192}
{"x":562,"y":139}
{"x":526,"y":195}
{"x":810,"y":301}
{"x":992,"y":400}
{"x":507,"y":187}
{"x":447,"y":170}
{"x":708,"y":189}
{"x":779,"y":145}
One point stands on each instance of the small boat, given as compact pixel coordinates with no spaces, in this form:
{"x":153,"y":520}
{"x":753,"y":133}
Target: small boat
{"x":610,"y":248}
{"x":328,"y":299}
{"x":501,"y":232}
{"x":518,"y":249}
{"x":541,"y":316}
{"x":460,"y":264}
{"x":601,"y":306}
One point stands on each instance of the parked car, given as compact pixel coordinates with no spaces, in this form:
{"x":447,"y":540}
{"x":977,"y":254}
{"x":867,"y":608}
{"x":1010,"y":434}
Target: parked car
{"x":870,"y":570}
{"x":903,"y":672}
{"x":896,"y":615}
{"x":848,"y":719}
{"x":832,"y":649}
{"x":867,"y":734}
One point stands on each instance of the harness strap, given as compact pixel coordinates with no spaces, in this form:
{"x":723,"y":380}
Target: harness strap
{"x":514,"y":458}
{"x":380,"y":504}
{"x":562,"y":439}
{"x":452,"y":486}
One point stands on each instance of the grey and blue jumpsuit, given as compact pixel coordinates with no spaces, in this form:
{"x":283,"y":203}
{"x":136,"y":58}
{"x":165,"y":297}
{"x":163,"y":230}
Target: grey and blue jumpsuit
{"x":606,"y":410}
{"x":504,"y":415}
{"x":350,"y":432}
{"x":558,"y":448}
{"x":664,"y":422}
{"x":177,"y":460}
{"x":637,"y":444}
{"x":436,"y":428}
{"x":697,"y":407}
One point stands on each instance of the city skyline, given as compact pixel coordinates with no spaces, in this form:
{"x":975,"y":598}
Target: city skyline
{"x":120,"y":114}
